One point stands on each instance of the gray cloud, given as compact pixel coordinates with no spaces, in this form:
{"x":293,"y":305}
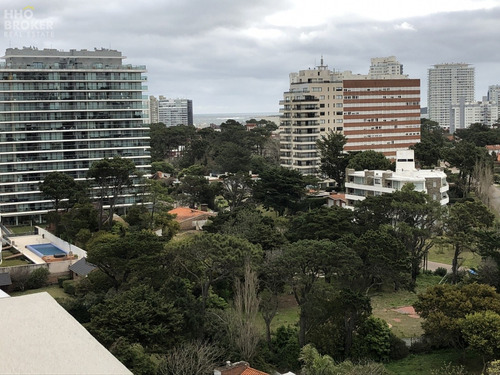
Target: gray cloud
{"x":224,"y":56}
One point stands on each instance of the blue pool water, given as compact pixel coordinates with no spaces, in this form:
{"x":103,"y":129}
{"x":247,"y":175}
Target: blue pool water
{"x":45,"y":249}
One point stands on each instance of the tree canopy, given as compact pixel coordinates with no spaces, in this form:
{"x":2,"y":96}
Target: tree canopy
{"x":370,"y":160}
{"x":111,"y":177}
{"x":280,"y":189}
{"x":333,"y":159}
{"x":58,"y":186}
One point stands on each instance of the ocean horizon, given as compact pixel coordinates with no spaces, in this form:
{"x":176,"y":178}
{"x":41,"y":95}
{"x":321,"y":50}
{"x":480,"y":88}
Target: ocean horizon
{"x":204,"y":120}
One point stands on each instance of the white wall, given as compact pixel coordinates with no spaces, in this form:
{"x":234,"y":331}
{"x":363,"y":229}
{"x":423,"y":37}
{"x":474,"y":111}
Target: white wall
{"x":63,"y":245}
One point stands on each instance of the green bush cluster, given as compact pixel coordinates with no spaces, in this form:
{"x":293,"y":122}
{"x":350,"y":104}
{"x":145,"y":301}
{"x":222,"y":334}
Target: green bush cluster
{"x":62,"y":279}
{"x":38,"y":278}
{"x":69,"y":287}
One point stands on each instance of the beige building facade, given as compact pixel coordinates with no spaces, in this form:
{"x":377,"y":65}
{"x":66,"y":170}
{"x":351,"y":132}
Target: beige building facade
{"x":378,"y":112}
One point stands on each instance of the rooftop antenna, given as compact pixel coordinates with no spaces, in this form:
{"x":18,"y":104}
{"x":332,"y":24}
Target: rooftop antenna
{"x":321,"y":66}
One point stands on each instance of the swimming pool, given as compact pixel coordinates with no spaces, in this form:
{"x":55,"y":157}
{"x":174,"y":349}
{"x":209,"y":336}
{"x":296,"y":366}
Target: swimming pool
{"x":45,"y":249}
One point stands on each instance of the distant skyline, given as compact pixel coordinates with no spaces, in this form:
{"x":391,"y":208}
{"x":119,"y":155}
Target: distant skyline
{"x":235,"y":57}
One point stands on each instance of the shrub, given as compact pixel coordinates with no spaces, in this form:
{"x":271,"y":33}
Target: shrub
{"x":69,"y":287}
{"x":420,"y":345}
{"x":62,"y":279}
{"x":399,"y":350}
{"x":494,"y":368}
{"x":373,"y":340}
{"x":38,"y":278}
{"x":441,"y":271}
{"x":285,"y":348}
{"x":450,"y":369}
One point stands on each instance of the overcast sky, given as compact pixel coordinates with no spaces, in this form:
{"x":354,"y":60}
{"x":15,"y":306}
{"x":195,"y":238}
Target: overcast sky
{"x":232,"y":56}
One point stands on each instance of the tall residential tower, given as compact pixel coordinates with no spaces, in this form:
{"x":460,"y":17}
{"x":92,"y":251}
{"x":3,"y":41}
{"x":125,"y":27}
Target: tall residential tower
{"x":379,"y":112}
{"x":174,"y":112}
{"x":447,"y":85}
{"x":61,"y":111}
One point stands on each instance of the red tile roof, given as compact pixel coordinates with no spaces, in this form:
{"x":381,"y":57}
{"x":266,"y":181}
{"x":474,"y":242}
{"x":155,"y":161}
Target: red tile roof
{"x":337,"y":196}
{"x":252,"y":371}
{"x":186,"y":213}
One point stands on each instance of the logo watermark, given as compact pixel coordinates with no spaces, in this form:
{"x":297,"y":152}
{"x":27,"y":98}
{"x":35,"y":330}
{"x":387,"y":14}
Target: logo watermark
{"x":21,"y":23}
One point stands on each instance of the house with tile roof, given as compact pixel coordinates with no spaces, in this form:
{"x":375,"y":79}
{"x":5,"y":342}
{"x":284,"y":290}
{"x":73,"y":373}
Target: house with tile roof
{"x":237,"y":368}
{"x":494,"y":149}
{"x":190,"y":218}
{"x":81,"y":268}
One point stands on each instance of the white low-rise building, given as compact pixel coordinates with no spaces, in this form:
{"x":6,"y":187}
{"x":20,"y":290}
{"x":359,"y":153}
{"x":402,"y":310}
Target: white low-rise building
{"x":362,"y":184}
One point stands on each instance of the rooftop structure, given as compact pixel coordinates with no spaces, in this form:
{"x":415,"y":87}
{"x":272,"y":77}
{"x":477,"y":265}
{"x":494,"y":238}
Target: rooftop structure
{"x":362,"y":184}
{"x":238,"y":368}
{"x":382,"y":66}
{"x":82,"y":268}
{"x":190,"y":218}
{"x":61,"y":111}
{"x":40,"y":337}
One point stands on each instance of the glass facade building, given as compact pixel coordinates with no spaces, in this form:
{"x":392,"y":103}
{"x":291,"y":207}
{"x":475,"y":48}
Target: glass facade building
{"x":61,"y":111}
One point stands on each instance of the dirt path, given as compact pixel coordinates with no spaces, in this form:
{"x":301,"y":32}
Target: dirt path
{"x":432,"y":266}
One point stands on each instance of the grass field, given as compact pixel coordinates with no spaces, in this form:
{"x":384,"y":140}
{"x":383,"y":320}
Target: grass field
{"x":22,"y":229}
{"x":422,"y":364}
{"x":442,"y":253}
{"x":53,"y":290}
{"x":384,"y":306}
{"x":20,"y":261}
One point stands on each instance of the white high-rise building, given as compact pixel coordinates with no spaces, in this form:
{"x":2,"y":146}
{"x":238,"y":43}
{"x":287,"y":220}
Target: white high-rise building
{"x":464,"y":114}
{"x":61,"y":111}
{"x":447,"y":84}
{"x":153,"y":110}
{"x":174,"y":112}
{"x":494,"y":93}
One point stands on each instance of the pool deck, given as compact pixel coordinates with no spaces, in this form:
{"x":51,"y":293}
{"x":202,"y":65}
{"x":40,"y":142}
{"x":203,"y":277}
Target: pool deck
{"x":22,"y":241}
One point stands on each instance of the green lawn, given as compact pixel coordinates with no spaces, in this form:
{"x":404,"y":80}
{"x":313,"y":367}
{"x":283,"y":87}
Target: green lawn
{"x":443,"y":253}
{"x":53,"y":290}
{"x":19,"y":261}
{"x":22,"y":229}
{"x":422,"y":364}
{"x":384,"y":305}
